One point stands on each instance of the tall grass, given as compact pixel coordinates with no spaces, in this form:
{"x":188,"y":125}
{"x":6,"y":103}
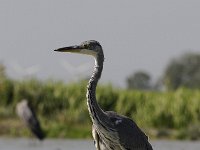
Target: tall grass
{"x":62,"y":105}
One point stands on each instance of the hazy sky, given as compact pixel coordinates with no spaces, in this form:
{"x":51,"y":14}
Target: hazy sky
{"x":135,"y":35}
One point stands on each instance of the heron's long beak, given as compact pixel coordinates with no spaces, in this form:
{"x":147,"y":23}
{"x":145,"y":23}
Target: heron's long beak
{"x":72,"y":49}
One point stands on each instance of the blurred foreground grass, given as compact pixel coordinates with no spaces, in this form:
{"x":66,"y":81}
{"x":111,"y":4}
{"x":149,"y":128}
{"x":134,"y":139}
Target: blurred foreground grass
{"x":63,"y":112}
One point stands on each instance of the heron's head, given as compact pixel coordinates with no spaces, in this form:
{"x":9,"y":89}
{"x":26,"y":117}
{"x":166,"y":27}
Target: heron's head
{"x":91,"y":47}
{"x":24,"y":102}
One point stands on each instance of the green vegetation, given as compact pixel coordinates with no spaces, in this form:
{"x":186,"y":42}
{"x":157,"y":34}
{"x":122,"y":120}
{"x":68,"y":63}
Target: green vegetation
{"x":63,"y":111}
{"x":139,"y":80}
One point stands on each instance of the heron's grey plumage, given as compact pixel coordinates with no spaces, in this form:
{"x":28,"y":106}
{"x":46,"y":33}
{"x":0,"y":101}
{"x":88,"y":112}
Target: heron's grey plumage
{"x":27,"y":115}
{"x":110,"y":130}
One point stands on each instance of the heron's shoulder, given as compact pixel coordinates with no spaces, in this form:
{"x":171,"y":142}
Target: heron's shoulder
{"x":119,"y":119}
{"x":122,"y":122}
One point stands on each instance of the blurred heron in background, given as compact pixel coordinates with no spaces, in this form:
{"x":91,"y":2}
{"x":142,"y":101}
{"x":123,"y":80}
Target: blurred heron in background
{"x":28,"y":116}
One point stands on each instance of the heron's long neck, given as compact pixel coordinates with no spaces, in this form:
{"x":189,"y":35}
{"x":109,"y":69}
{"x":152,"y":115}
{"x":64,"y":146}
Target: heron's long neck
{"x":96,"y":113}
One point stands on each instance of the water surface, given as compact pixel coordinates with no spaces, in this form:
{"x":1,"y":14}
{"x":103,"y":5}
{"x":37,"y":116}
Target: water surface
{"x":63,"y":144}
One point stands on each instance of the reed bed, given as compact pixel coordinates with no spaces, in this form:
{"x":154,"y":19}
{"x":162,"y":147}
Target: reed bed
{"x":63,"y":111}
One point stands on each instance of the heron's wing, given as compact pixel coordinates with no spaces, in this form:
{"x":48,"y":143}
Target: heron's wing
{"x":130,"y":135}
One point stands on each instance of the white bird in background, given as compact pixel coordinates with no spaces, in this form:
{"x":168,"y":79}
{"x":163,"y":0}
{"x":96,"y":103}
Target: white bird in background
{"x":25,"y":71}
{"x":76,"y":71}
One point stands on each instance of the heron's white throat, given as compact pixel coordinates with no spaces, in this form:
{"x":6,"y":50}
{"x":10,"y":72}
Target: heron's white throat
{"x":88,"y":52}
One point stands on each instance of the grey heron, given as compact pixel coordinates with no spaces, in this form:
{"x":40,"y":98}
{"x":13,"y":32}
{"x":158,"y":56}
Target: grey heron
{"x":27,"y":115}
{"x":109,"y":130}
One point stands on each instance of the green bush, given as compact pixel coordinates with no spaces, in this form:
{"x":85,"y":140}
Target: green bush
{"x":6,"y":92}
{"x":65,"y":104}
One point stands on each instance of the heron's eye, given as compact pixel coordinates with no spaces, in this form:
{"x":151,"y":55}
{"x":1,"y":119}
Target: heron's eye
{"x":86,"y":46}
{"x":92,"y":47}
